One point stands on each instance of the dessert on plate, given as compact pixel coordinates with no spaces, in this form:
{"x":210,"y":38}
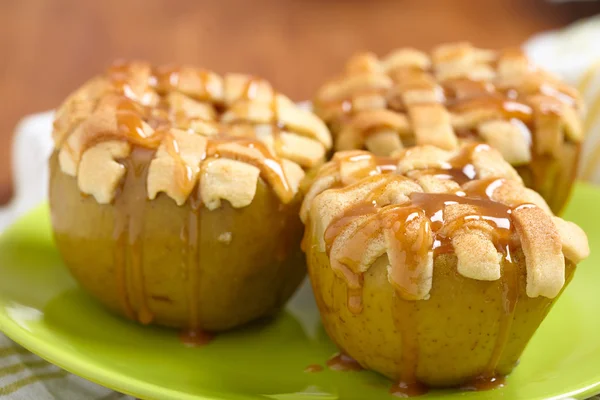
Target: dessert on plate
{"x":459,"y":93}
{"x":174,"y":193}
{"x":434,"y":267}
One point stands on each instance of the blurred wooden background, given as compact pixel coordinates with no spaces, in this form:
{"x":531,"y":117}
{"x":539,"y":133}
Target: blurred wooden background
{"x":49,"y":47}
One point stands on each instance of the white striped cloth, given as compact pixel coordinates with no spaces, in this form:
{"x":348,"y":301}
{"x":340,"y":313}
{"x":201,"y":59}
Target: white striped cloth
{"x":25,"y":376}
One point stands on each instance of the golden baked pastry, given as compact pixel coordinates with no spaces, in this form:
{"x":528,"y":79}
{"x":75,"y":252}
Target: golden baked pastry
{"x":434,"y":267}
{"x":460,"y":93}
{"x":174,"y":193}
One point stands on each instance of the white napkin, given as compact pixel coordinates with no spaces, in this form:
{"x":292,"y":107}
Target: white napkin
{"x":31,"y":149}
{"x":573,"y":54}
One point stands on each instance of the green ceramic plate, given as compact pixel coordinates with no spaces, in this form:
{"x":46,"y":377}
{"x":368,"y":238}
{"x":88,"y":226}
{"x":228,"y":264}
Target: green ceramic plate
{"x":42,"y":308}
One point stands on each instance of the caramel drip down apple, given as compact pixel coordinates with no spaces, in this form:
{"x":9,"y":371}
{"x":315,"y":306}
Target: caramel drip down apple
{"x":199,"y":138}
{"x":129,"y":222}
{"x":129,"y":226}
{"x":408,"y":209}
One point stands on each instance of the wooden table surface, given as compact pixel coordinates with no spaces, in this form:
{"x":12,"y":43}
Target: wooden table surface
{"x":48,"y":48}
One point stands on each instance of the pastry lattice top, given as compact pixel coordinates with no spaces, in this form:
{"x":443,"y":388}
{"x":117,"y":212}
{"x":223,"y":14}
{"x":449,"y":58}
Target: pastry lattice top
{"x":456,"y":93}
{"x":216,"y":133}
{"x":425,"y":201}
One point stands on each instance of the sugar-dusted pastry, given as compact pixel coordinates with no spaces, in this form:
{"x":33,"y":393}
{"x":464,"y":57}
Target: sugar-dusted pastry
{"x":174,"y":193}
{"x":434,"y":267}
{"x":459,"y":93}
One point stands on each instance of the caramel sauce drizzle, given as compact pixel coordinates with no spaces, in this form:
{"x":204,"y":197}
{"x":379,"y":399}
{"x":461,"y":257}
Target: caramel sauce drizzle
{"x":118,"y":73}
{"x":184,"y":174}
{"x":463,"y":96}
{"x":404,"y":314}
{"x":271,"y":168}
{"x":276,"y":125}
{"x":408,"y":255}
{"x":131,"y":130}
{"x":131,"y":118}
{"x":128,"y":235}
{"x":250,"y":90}
{"x":496,"y":214}
{"x":387,"y":164}
{"x":406,"y":250}
{"x":464,"y":88}
{"x":353,"y":249}
{"x":410,"y":250}
{"x":394,"y":218}
{"x":131,"y":126}
{"x":165,"y":78}
{"x":460,"y":167}
{"x":191,"y":234}
{"x":510,"y":297}
{"x":508,"y":108}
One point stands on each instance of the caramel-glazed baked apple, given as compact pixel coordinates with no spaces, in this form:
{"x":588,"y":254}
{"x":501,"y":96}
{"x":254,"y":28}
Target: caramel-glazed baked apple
{"x":174,"y":193}
{"x":434,"y":267}
{"x":455,"y":94}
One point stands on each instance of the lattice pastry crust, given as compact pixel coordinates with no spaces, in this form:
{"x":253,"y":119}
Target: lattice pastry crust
{"x":425,"y":201}
{"x":222,"y":131}
{"x":456,"y":93}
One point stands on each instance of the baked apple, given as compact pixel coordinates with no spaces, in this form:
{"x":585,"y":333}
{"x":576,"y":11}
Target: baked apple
{"x":460,"y":93}
{"x":174,"y":193}
{"x":434,"y":267}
